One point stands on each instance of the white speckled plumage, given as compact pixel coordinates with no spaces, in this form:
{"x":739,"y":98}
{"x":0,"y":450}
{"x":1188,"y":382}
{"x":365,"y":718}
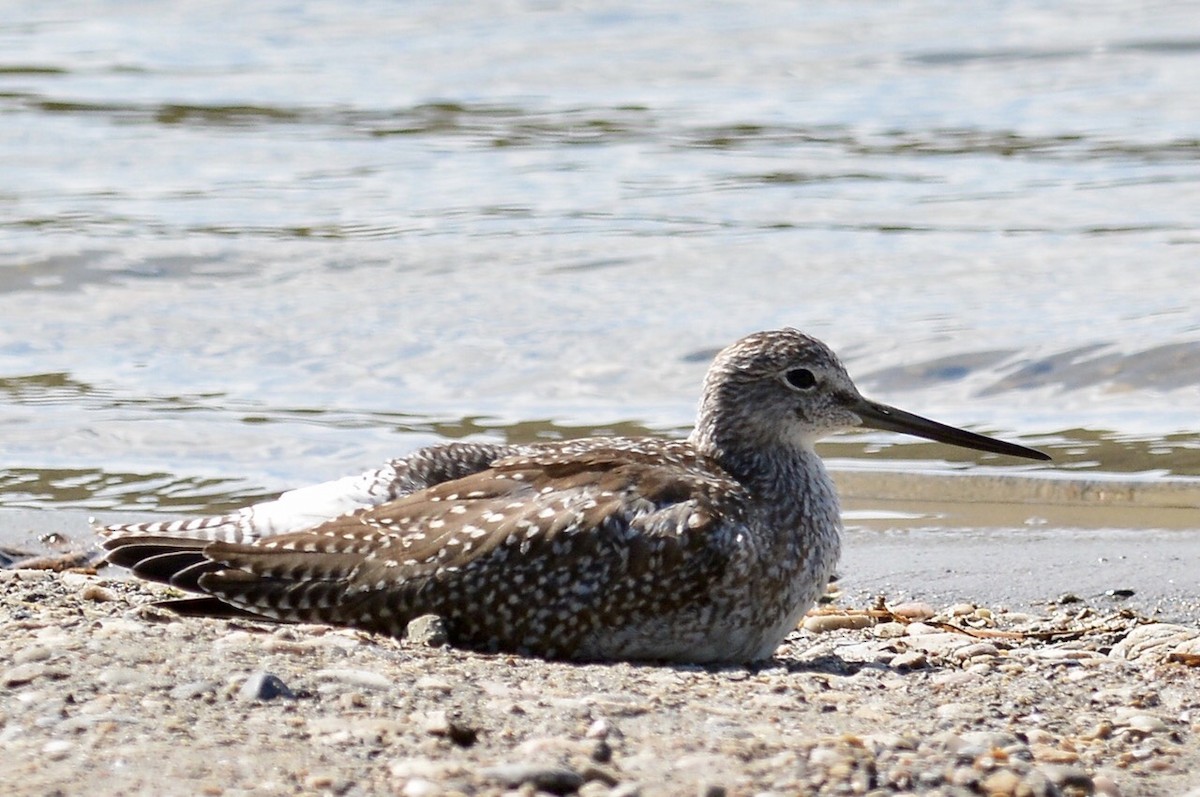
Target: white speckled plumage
{"x":704,"y":550}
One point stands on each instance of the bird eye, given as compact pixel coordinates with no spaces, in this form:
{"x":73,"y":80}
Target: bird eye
{"x":801,"y":378}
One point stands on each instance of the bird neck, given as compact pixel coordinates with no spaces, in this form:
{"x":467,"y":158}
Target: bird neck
{"x":773,"y":470}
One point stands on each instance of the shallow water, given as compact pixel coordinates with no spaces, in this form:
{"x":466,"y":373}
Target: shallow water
{"x":244,"y":248}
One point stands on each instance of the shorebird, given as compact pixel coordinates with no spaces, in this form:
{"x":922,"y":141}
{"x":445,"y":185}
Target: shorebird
{"x":704,"y":550}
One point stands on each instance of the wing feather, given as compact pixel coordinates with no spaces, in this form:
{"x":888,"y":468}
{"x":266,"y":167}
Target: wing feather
{"x":540,"y":546}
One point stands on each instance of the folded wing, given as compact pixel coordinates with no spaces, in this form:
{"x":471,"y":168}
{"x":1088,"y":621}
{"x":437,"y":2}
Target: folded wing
{"x":529,"y":554}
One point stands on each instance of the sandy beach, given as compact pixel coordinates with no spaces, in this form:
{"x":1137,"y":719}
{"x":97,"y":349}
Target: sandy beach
{"x":1017,"y":686}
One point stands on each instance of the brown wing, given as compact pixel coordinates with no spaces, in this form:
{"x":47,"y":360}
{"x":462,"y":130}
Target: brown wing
{"x":528,"y":555}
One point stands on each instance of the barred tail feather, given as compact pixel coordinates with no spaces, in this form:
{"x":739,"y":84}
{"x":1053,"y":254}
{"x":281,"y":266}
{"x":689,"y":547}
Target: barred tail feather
{"x":278,"y":598}
{"x":211,"y":607}
{"x":238,"y":526}
{"x":291,"y":590}
{"x":175,"y":561}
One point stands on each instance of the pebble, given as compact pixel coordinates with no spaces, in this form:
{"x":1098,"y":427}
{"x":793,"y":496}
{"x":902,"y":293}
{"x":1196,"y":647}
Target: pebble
{"x":192,"y":690}
{"x":822,"y":623}
{"x":28,"y":673}
{"x":263,"y":685}
{"x":978,"y":649}
{"x":433,"y":683}
{"x":599,"y":729}
{"x":295,"y":647}
{"x":150,"y":613}
{"x":97,"y":594}
{"x":868,"y":651}
{"x":913,"y":610}
{"x":953,"y":679}
{"x":889,"y":630}
{"x":1039,"y":736}
{"x":1155,"y":642}
{"x":338,"y":729}
{"x":956,"y":711}
{"x":965,"y":776}
{"x":1068,"y":777}
{"x":29,"y":576}
{"x":938,"y":643}
{"x":365,"y":679}
{"x":32,"y":653}
{"x":57,"y":748}
{"x":445,"y":724}
{"x":123,"y":676}
{"x":1101,"y":730}
{"x":595,"y":788}
{"x":408,"y":768}
{"x":602,"y":752}
{"x":420,"y":787}
{"x":1146,"y":723}
{"x":548,"y":778}
{"x":119,"y":627}
{"x":616,"y":704}
{"x":76,"y":580}
{"x":912,"y":660}
{"x":988,"y":740}
{"x":1052,"y":754}
{"x":429,"y":630}
{"x":1065,"y":654}
{"x":1141,"y":753}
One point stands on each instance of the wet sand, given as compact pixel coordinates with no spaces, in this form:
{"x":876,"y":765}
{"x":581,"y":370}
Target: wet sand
{"x":947,"y":539}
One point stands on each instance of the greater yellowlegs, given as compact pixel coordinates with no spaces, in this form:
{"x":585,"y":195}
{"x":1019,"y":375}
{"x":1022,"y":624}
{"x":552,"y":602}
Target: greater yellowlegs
{"x":708,"y":549}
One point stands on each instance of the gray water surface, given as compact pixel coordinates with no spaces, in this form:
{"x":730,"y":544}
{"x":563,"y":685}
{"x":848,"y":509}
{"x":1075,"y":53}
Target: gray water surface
{"x":249,"y":246}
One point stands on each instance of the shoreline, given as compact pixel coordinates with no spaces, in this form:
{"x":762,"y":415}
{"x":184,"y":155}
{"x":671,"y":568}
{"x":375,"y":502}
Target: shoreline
{"x":1014,"y":555}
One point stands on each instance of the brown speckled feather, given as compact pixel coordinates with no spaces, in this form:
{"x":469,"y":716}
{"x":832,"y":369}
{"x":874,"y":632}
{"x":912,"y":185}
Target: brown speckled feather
{"x":533,"y":554}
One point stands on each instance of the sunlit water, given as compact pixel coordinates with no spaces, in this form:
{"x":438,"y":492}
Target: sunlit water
{"x":249,"y":246}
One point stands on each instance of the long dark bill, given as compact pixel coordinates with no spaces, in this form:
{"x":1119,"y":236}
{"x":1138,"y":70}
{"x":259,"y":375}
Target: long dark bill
{"x":890,"y":419}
